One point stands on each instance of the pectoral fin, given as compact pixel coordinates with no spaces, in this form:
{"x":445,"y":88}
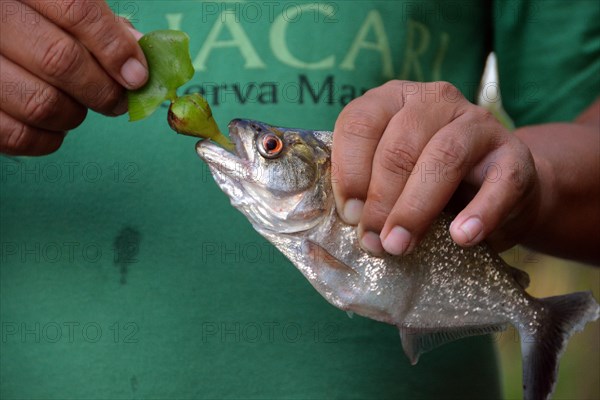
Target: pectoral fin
{"x":332,"y":278}
{"x":418,"y":341}
{"x":323,"y":260}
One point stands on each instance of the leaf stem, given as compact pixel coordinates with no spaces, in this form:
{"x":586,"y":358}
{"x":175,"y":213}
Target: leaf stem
{"x":223,"y":142}
{"x":171,"y":95}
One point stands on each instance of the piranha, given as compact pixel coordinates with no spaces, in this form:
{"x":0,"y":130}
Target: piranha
{"x":280,"y":179}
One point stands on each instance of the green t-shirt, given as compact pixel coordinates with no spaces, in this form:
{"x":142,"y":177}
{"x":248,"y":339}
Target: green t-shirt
{"x":125,"y":273}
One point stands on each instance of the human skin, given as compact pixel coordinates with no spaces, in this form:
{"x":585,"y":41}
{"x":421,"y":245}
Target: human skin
{"x":59,"y":59}
{"x":405,"y":150}
{"x":401,"y":152}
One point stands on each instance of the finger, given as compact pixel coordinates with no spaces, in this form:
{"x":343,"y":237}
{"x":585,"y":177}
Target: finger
{"x":443,"y":164}
{"x":395,"y":160}
{"x":357,"y":131}
{"x":17,"y":138}
{"x":136,"y":34}
{"x":55,"y":57}
{"x":507,"y":183}
{"x":102,"y":33}
{"x":34,"y":102}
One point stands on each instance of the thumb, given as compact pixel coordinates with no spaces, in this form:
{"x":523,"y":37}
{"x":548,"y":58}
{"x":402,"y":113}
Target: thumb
{"x":104,"y":35}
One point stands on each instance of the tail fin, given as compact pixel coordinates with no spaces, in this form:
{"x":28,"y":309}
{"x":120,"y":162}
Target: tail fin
{"x":564,"y":316}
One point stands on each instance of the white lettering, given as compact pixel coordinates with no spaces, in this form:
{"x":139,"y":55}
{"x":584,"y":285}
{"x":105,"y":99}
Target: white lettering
{"x":374,"y":23}
{"x":279,"y":31}
{"x":238,"y":39}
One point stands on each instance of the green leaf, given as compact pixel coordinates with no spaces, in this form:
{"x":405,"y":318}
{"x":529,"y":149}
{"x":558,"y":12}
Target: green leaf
{"x":170,"y":66}
{"x":191,"y":115}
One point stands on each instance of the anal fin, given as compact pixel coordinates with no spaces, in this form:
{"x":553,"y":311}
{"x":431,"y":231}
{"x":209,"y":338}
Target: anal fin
{"x":417,"y":341}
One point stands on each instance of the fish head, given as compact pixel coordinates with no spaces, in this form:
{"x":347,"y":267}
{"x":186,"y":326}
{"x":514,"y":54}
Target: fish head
{"x":279,"y":178}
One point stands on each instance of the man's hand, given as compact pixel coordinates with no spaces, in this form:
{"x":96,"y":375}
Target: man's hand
{"x":57,"y":59}
{"x":403,"y":149}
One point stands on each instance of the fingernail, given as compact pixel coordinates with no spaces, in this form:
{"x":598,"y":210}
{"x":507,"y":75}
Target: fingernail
{"x":137,"y":34}
{"x":370,"y":242}
{"x":470,"y":230}
{"x":134,"y":73}
{"x":352,"y":211}
{"x":397,"y":241}
{"x":122,"y":107}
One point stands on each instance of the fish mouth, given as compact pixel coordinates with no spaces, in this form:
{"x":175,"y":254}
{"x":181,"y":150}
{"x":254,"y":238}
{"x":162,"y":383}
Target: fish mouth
{"x":230,"y":169}
{"x":228,"y":162}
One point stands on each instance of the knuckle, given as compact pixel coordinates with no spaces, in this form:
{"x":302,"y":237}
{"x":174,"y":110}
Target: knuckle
{"x":399,"y":158}
{"x":522,"y":173}
{"x":394,"y":85}
{"x":105,"y":98}
{"x":17,"y":138}
{"x":125,"y":21}
{"x":484,"y":116}
{"x":70,"y":6}
{"x":449,"y":94}
{"x":393,"y":92}
{"x":42,"y":106}
{"x":414,"y":207}
{"x":446,"y":88}
{"x":348,"y":180}
{"x":449,"y":152}
{"x":443,"y":86}
{"x":399,"y":92}
{"x":14,"y":137}
{"x":62,"y":58}
{"x":376,"y":202}
{"x":113,"y":48}
{"x":78,"y":13}
{"x":517,"y":181}
{"x":358,"y":124}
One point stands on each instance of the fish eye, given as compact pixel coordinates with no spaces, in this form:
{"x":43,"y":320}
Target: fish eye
{"x":269,"y":145}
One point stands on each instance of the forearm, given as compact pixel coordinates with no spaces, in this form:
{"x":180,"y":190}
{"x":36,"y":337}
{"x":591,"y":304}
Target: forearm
{"x":567,"y":157}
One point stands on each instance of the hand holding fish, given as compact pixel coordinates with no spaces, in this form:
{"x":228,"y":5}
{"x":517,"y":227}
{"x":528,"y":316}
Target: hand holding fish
{"x":404,"y":150}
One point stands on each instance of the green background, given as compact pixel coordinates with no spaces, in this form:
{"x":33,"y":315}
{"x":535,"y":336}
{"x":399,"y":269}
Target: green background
{"x":190,"y":301}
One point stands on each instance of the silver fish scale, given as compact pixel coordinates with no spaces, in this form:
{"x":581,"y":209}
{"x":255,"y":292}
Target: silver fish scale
{"x":440,"y":292}
{"x":459,"y":286}
{"x":475,"y":283}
